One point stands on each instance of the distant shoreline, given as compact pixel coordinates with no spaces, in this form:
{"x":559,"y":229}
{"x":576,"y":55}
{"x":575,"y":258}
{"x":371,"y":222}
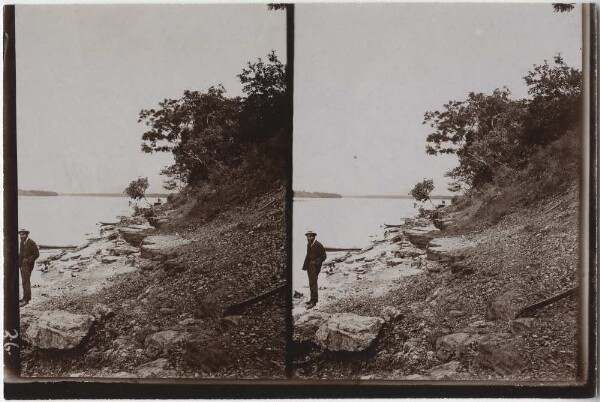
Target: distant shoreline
{"x":35,"y":193}
{"x":395,"y":197}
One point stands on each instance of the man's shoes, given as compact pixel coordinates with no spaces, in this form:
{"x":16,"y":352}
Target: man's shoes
{"x":23,"y":302}
{"x":310,"y":305}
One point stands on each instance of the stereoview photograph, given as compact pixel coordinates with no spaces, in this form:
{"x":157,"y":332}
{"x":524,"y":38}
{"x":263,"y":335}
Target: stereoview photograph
{"x":151,"y":149}
{"x":437,"y":182}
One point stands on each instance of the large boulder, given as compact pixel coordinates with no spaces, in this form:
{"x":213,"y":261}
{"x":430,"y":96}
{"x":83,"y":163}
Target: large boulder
{"x":348,"y":332}
{"x":496,"y":353}
{"x":307,"y":325}
{"x":58,"y":329}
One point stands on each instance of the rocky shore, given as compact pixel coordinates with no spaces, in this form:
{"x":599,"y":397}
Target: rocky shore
{"x":431,"y":304}
{"x":151,"y":300}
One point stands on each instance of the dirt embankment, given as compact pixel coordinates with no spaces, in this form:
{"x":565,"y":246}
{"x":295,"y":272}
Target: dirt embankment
{"x":159,"y":299}
{"x":459,"y":314}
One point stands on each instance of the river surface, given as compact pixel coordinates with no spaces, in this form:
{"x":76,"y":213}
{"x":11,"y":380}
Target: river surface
{"x":69,"y":220}
{"x":342,"y":222}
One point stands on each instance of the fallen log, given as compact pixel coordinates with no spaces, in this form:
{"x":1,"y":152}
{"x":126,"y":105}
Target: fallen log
{"x":232,"y":309}
{"x":108,"y":223}
{"x":392,"y":226}
{"x":334,"y":249}
{"x":44,"y":247}
{"x":543,"y":303}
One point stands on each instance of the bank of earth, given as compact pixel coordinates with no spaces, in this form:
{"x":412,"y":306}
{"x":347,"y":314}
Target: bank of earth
{"x":431,"y":304}
{"x":173,"y":297}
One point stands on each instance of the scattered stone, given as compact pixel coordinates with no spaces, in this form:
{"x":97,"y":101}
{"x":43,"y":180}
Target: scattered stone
{"x":153,"y":368}
{"x":188,"y":321}
{"x":232,"y":321}
{"x":298,"y":295}
{"x":520,"y":326}
{"x":348,"y":332}
{"x":453,"y":345}
{"x":416,"y":377}
{"x":461,"y":268}
{"x":392,"y":262}
{"x":102,"y":311}
{"x":456,"y":313}
{"x":161,"y":342}
{"x":107,"y":259}
{"x":445,"y":371}
{"x":505,"y":306}
{"x":58,"y":329}
{"x":408,"y":252}
{"x":390,"y":314}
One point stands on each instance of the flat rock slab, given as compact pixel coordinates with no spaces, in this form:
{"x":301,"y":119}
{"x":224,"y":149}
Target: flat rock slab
{"x":447,"y":247}
{"x":421,"y":236}
{"x":348,"y":332}
{"x":58,"y":329}
{"x":135,"y":234}
{"x":160,"y":245}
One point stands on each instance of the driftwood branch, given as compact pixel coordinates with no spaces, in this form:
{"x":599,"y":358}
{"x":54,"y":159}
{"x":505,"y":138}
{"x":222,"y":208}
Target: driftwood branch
{"x":553,"y":207}
{"x":253,"y":300}
{"x":44,"y":247}
{"x":543,"y":303}
{"x":266,"y":205}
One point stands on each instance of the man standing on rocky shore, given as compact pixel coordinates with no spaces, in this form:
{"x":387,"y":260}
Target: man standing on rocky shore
{"x":315,"y":255}
{"x":28,"y":253}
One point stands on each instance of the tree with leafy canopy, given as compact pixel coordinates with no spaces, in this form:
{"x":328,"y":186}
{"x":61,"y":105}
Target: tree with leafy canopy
{"x":137,"y":189}
{"x":209,"y":133}
{"x":494,"y":133}
{"x":422,"y":191}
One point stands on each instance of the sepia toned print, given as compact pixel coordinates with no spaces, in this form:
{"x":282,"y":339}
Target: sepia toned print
{"x":151,"y":150}
{"x":438,"y":159}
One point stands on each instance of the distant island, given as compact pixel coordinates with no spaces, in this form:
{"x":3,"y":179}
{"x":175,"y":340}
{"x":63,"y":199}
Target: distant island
{"x":316,"y":194}
{"x":38,"y":193}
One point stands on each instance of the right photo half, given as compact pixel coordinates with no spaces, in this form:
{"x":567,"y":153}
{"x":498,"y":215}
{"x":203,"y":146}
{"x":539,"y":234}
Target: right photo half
{"x":437,"y":214}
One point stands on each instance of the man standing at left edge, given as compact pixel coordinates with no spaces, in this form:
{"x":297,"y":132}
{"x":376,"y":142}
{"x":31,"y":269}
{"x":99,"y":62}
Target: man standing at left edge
{"x":28,"y":253}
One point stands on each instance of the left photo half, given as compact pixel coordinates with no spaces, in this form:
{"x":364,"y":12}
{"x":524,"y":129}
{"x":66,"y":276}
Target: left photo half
{"x":151,"y":145}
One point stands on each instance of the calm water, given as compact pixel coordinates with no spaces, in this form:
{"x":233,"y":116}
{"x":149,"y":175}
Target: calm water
{"x":342,"y":222}
{"x":68,"y":220}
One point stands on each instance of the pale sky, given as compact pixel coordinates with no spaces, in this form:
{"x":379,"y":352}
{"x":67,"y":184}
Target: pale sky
{"x":85,"y":72}
{"x":366,"y":74}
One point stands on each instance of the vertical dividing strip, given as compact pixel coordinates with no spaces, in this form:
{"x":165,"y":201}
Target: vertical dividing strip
{"x":12,"y":338}
{"x":289,"y":189}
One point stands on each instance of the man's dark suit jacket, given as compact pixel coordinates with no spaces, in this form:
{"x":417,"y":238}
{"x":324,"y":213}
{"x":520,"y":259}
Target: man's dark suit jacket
{"x":28,"y":253}
{"x":315,"y":254}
